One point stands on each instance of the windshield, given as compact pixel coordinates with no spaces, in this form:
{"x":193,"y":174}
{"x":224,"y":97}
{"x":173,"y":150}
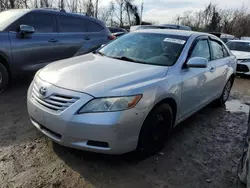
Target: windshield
{"x":7,"y":17}
{"x":148,"y":48}
{"x":239,"y":46}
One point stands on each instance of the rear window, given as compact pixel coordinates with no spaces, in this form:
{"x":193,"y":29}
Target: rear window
{"x":71,"y":24}
{"x":93,"y":26}
{"x":115,"y":30}
{"x":239,"y":46}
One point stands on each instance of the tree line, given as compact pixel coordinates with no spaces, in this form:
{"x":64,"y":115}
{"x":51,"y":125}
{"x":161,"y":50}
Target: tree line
{"x":213,"y":18}
{"x":124,"y":13}
{"x":117,"y":13}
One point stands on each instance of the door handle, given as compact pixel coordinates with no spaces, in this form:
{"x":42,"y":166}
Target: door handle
{"x":87,"y":38}
{"x":212,"y":69}
{"x":53,"y":40}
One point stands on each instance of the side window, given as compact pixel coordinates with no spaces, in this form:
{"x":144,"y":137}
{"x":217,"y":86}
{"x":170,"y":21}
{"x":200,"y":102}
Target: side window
{"x":201,"y":49}
{"x":42,"y":22}
{"x":217,"y":49}
{"x":92,"y":26}
{"x":225,"y":52}
{"x":70,"y":24}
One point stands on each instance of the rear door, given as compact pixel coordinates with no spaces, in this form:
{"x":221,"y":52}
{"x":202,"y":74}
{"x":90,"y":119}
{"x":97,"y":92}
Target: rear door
{"x":222,"y":60}
{"x":72,"y":35}
{"x":97,"y":34}
{"x":31,"y":52}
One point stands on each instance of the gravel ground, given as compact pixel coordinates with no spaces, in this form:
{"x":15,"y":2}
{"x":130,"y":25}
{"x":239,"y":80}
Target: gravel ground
{"x":203,"y":151}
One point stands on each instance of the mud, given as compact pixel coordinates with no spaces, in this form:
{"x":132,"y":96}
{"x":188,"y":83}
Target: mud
{"x":203,"y":151}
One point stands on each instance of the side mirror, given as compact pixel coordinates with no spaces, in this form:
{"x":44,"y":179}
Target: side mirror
{"x":26,"y":29}
{"x":197,"y":62}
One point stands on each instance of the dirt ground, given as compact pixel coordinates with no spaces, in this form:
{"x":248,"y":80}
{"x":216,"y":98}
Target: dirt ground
{"x":203,"y":151}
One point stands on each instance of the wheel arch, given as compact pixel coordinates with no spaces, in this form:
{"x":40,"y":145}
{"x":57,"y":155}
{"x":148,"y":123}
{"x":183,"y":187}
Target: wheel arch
{"x":173,"y":104}
{"x":232,"y":77}
{"x":4,"y":61}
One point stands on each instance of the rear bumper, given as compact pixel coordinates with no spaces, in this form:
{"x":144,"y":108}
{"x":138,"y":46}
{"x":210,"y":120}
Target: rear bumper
{"x":110,"y":132}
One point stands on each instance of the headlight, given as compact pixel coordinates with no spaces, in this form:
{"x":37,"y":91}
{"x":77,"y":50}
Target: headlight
{"x":110,"y":104}
{"x":246,"y":61}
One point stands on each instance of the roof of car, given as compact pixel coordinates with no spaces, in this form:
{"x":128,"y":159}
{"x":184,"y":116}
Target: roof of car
{"x":63,"y":12}
{"x":247,"y":41}
{"x":173,"y":32}
{"x":55,"y":11}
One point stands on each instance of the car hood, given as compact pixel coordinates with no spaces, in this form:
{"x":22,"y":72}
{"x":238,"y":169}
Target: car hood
{"x":241,"y":54}
{"x":100,"y":76}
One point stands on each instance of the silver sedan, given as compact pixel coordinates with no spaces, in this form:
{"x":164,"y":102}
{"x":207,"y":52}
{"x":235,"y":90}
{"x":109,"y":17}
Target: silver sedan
{"x":128,"y":95}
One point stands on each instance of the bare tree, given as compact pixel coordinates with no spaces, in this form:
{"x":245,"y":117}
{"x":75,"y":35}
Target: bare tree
{"x":120,"y":8}
{"x":133,"y":10}
{"x":96,"y":8}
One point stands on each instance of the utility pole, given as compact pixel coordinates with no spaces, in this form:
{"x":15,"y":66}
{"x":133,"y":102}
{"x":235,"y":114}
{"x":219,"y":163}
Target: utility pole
{"x":141,"y":11}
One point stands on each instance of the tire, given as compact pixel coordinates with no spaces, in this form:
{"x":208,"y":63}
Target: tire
{"x":155,"y":130}
{"x":225,"y":94}
{"x":4,"y":77}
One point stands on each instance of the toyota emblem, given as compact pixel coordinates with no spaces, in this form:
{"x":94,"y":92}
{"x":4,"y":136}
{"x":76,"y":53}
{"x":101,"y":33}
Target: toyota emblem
{"x":43,"y":90}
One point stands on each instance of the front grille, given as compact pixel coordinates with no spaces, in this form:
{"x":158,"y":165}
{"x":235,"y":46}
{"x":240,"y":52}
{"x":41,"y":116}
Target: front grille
{"x":55,"y":102}
{"x":242,"y":68}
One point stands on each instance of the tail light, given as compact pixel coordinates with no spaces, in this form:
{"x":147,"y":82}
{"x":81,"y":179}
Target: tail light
{"x":111,"y":37}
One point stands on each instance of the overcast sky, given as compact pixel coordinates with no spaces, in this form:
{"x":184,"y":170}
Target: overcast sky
{"x":164,"y":11}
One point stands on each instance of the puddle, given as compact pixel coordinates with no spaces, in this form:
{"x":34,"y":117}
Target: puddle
{"x":236,"y":106}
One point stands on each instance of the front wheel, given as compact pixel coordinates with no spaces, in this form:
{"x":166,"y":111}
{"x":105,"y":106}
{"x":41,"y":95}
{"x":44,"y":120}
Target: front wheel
{"x":155,"y":130}
{"x":4,"y":77}
{"x":226,"y":93}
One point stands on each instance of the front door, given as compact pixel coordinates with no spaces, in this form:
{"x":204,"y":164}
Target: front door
{"x":197,"y":83}
{"x":33,"y":51}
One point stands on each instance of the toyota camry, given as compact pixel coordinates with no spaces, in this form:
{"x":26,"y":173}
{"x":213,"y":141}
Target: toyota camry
{"x":128,"y":95}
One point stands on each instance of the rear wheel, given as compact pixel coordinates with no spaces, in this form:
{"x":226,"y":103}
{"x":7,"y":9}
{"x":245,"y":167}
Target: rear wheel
{"x":155,"y":130}
{"x":226,"y":93}
{"x":4,"y":77}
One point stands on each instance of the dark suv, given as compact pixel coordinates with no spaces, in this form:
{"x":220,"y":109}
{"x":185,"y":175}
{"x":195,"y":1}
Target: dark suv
{"x":30,"y":39}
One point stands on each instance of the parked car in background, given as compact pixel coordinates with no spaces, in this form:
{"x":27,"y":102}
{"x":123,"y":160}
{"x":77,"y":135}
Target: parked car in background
{"x":241,"y":49}
{"x":223,"y":36}
{"x":30,"y":39}
{"x":130,"y":94}
{"x":117,"y":31}
{"x":161,"y":26}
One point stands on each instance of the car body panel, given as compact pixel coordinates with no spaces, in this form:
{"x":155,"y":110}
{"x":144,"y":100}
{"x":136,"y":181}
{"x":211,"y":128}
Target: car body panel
{"x":5,"y":49}
{"x":35,"y":50}
{"x":111,"y":75}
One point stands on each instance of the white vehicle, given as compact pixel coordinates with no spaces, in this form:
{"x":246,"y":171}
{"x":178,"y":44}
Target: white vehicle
{"x":241,"y":49}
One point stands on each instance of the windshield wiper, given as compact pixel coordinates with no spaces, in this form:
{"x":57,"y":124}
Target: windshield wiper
{"x":127,"y":59}
{"x":100,"y":53}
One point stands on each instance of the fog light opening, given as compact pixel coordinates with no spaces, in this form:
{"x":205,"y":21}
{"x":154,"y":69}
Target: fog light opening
{"x":98,"y":144}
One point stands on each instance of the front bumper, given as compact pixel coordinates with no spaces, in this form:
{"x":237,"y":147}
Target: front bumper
{"x":110,"y":132}
{"x":243,"y":68}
